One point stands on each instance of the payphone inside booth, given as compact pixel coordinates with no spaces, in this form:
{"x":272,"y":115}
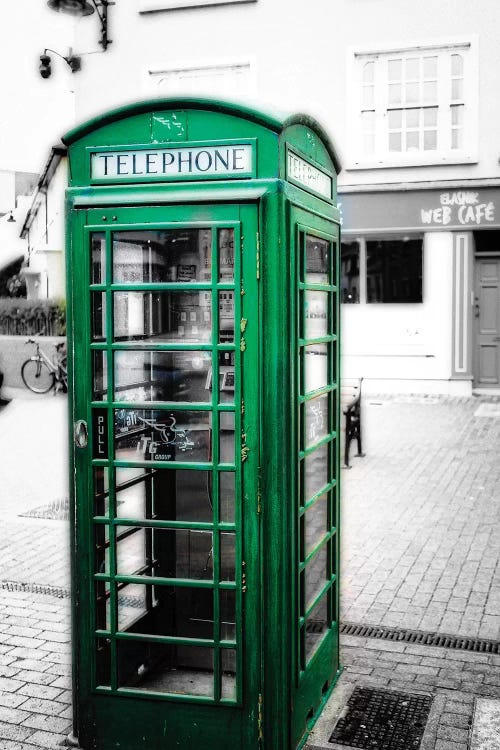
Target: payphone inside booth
{"x":203,"y":335}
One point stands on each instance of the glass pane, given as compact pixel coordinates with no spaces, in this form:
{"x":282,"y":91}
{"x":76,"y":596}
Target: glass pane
{"x":227,"y":598}
{"x":394,"y":93}
{"x":226,"y":496}
{"x":315,"y":523}
{"x":317,"y":260}
{"x":228,"y":672}
{"x":316,"y":367}
{"x":456,"y":138}
{"x":226,"y":254}
{"x":101,"y":491}
{"x":165,"y":668}
{"x":368,"y":72}
{"x":227,"y":442}
{"x":394,"y":68}
{"x":430,"y":67}
{"x":316,"y":627}
{"x":368,"y":97}
{"x":175,"y":611}
{"x":315,"y":472}
{"x":133,"y":551}
{"x":102,"y":606}
{"x":412,"y":93}
{"x":226,"y":317}
{"x":98,"y":316}
{"x":167,"y":494}
{"x":394,"y":141}
{"x":162,"y":316}
{"x":99,"y":376}
{"x":98,"y":245}
{"x":430,"y":92}
{"x":316,"y":314}
{"x":457,"y":88}
{"x":394,"y":119}
{"x":101,"y":548}
{"x":103,"y":662}
{"x":162,"y":376}
{"x":430,"y":140}
{"x":151,"y":435}
{"x":162,"y":255}
{"x":457,"y":65}
{"x":430,"y":116}
{"x":412,"y":141}
{"x":412,"y":118}
{"x":457,"y":113}
{"x":394,"y":270}
{"x":227,"y":557}
{"x":316,"y":420}
{"x":315,"y":575}
{"x":349,"y":272}
{"x":412,"y":69}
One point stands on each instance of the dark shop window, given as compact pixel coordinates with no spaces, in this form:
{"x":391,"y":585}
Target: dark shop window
{"x":394,"y":271}
{"x":349,"y":272}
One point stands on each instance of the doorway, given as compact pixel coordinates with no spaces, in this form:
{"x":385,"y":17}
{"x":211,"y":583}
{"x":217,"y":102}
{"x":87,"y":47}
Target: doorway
{"x":487,"y":310}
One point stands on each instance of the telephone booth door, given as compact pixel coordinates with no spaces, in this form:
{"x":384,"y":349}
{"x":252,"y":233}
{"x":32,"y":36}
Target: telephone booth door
{"x":165,"y":356}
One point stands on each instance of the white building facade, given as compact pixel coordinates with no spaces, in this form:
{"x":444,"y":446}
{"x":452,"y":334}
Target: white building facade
{"x":408,"y":93}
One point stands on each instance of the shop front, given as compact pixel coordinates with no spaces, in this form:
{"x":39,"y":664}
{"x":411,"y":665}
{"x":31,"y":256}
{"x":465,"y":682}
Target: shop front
{"x":420,"y":288}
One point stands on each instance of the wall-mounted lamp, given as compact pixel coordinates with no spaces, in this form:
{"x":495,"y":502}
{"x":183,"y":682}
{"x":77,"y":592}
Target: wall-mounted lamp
{"x":11,"y":218}
{"x":74,"y":62}
{"x":85,"y":8}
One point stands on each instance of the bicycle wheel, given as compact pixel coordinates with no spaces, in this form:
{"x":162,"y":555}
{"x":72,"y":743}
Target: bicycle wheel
{"x":37,"y":376}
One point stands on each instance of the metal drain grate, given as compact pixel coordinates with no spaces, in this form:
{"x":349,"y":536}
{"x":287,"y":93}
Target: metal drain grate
{"x":382,"y":720}
{"x":36,"y":588}
{"x":421,"y":637}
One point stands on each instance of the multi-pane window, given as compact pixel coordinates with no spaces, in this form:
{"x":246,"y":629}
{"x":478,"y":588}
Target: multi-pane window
{"x":413,"y":103}
{"x":382,"y":271}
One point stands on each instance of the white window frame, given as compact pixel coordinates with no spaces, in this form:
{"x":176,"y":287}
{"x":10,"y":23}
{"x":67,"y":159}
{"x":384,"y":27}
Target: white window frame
{"x":382,"y":157}
{"x":153,"y":6}
{"x":150,"y":72}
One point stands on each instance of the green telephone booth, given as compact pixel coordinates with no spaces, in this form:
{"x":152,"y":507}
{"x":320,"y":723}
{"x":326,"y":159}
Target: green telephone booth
{"x":203,"y":242}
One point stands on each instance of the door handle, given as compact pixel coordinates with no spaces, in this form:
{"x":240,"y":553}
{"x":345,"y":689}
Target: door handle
{"x":81,"y":434}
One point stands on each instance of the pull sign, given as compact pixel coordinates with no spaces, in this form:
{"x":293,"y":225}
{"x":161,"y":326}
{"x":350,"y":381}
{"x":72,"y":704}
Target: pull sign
{"x":100,"y":433}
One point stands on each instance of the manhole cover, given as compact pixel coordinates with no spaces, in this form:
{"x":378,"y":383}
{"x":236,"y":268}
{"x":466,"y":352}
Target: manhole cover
{"x":382,"y":720}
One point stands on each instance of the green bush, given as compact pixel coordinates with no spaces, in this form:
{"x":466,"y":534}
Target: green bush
{"x":25,"y":317}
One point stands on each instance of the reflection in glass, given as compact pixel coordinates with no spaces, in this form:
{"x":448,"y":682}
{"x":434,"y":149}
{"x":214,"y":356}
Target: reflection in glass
{"x":316,"y":420}
{"x":98,"y":251}
{"x":103,"y":662}
{"x":317,"y":260}
{"x":227,"y":557}
{"x":316,"y":367}
{"x":228,"y":614}
{"x":228,"y":672}
{"x":315,"y":471}
{"x":226,"y":317}
{"x":316,"y":314}
{"x":101,"y":548}
{"x":163,"y":316}
{"x":162,"y":376}
{"x":159,"y":435}
{"x":226,"y":496}
{"x":99,"y":375}
{"x":166,"y":668}
{"x":315,"y":575}
{"x":102,"y":608}
{"x":101,"y":491}
{"x":98,"y":316}
{"x":349,"y":274}
{"x":171,"y":495}
{"x":316,"y":627}
{"x":226,"y":254}
{"x":162,"y":255}
{"x":315,"y":523}
{"x":174,"y":611}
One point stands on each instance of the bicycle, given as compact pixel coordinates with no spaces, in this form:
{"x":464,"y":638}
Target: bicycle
{"x":40,"y":373}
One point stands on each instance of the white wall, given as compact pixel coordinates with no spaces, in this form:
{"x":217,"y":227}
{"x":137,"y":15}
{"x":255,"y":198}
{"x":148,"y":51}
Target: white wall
{"x":403,"y":341}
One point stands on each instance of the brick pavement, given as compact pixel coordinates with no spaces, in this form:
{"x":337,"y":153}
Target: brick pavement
{"x":420,"y":550}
